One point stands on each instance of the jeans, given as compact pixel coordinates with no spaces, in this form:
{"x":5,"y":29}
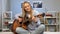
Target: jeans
{"x":39,"y":30}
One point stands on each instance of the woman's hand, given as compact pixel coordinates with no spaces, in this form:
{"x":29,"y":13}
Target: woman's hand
{"x":34,"y":19}
{"x":20,"y":19}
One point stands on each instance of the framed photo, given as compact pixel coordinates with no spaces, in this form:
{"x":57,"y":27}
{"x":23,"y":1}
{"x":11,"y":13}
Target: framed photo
{"x":37,"y":4}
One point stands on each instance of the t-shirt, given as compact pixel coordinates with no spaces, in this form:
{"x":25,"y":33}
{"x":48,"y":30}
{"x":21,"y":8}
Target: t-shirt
{"x":32,"y":26}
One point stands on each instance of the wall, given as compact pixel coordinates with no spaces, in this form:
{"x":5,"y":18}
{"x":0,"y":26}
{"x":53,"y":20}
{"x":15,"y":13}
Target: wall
{"x":6,"y":5}
{"x":0,"y":13}
{"x":52,"y":5}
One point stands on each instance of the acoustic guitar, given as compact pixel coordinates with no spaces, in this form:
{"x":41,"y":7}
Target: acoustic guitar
{"x":22,"y":24}
{"x":15,"y":25}
{"x":25,"y":22}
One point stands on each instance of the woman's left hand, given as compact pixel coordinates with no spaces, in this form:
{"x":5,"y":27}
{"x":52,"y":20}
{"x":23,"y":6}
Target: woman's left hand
{"x":34,"y":19}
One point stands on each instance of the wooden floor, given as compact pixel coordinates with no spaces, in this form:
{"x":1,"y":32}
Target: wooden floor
{"x":44,"y":33}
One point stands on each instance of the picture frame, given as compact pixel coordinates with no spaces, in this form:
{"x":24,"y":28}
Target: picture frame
{"x":37,"y":4}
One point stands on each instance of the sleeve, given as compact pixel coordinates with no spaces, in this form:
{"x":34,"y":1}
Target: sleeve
{"x":38,"y":21}
{"x":35,"y":13}
{"x":17,"y":15}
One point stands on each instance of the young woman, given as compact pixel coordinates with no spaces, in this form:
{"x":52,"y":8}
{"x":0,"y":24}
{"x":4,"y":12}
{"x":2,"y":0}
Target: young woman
{"x":29,"y":15}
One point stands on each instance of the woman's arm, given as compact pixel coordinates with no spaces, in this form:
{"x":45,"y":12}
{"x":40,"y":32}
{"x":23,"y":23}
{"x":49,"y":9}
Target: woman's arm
{"x":34,"y":19}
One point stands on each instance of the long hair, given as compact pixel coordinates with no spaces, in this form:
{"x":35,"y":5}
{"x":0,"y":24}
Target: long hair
{"x":24,"y":12}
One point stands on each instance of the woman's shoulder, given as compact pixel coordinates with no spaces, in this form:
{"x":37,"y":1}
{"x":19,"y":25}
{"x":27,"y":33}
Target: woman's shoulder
{"x":35,"y":13}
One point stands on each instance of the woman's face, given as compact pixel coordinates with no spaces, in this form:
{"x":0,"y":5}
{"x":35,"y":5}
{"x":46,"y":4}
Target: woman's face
{"x":27,"y":7}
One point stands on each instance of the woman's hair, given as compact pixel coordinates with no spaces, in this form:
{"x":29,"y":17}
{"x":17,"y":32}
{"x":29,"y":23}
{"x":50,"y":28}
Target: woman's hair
{"x":23,"y":10}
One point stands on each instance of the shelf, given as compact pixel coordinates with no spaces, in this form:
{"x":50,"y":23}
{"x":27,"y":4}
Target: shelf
{"x":52,"y":21}
{"x":50,"y":17}
{"x":6,"y":17}
{"x":6,"y":29}
{"x":51,"y":24}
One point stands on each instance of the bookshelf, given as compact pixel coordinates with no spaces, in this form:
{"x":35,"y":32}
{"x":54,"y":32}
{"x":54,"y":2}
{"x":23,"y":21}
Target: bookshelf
{"x":6,"y":17}
{"x":52,"y":21}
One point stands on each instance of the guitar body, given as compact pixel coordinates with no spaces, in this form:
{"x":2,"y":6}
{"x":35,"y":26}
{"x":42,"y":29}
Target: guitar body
{"x":15,"y":25}
{"x":24,"y":24}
